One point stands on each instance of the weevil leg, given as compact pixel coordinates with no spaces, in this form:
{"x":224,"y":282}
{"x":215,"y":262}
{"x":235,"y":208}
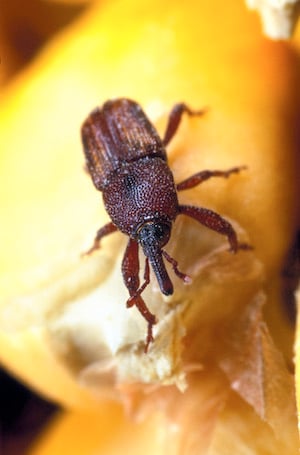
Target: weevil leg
{"x":201,"y":176}
{"x":107,"y":229}
{"x":130,"y":273}
{"x":131,"y":267}
{"x":138,"y":291}
{"x":213,"y":221}
{"x":185,"y":278}
{"x":175,"y":118}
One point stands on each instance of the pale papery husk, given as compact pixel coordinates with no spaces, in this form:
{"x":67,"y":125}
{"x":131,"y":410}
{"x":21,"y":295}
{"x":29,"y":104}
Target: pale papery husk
{"x":279,"y":17}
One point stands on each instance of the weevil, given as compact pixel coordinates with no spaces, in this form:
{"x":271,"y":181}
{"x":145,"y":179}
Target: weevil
{"x":128,"y":163}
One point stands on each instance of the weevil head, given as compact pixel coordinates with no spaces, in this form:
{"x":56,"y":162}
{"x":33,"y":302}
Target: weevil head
{"x":152,"y":236}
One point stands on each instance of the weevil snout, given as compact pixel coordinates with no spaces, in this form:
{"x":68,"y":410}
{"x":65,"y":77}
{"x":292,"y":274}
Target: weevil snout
{"x":152,"y":237}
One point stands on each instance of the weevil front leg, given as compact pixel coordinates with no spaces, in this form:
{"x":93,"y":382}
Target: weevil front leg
{"x":130,"y":273}
{"x":107,"y":229}
{"x":175,"y":118}
{"x":201,"y":176}
{"x":185,"y":278}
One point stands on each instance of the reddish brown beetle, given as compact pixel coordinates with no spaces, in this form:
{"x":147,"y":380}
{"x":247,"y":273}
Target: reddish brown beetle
{"x":127,"y":161}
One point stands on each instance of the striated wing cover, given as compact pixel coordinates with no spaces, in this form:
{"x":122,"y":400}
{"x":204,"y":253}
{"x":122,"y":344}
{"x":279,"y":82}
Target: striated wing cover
{"x":115,"y":134}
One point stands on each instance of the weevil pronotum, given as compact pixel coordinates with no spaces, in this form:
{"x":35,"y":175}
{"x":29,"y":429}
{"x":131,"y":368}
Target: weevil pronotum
{"x":127,"y":161}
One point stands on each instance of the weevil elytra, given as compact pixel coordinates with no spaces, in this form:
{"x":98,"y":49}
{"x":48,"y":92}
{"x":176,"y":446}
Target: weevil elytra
{"x":127,"y":161}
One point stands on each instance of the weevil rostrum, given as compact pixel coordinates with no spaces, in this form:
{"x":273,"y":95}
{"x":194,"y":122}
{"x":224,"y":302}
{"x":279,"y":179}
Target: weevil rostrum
{"x":127,"y":161}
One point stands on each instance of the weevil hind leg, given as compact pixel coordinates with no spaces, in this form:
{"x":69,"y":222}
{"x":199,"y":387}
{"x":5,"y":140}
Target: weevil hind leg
{"x":107,"y":229}
{"x":130,"y":273}
{"x":175,"y":118}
